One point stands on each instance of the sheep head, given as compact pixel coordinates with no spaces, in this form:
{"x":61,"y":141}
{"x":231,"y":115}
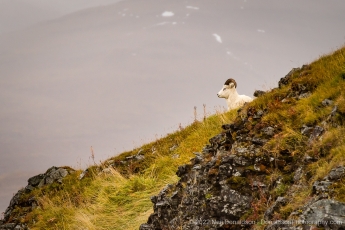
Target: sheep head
{"x":228,"y":87}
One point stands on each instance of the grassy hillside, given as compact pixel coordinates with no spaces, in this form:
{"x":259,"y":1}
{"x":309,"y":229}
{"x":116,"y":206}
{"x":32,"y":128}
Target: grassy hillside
{"x":116,"y":194}
{"x":119,"y":197}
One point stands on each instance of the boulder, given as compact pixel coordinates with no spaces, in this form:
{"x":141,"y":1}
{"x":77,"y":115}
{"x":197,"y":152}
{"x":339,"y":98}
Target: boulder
{"x":53,"y":174}
{"x":258,"y":93}
{"x":327,"y":102}
{"x":326,"y":213}
{"x":336,"y":173}
{"x":285,"y":80}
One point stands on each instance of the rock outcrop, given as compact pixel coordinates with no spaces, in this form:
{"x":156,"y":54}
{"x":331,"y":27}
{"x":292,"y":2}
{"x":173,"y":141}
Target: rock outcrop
{"x":221,"y":183}
{"x":11,"y":220}
{"x":235,"y":180}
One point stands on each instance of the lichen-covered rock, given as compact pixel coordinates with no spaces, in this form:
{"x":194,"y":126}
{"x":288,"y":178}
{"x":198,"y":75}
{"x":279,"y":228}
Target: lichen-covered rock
{"x":285,"y":80}
{"x":13,"y":203}
{"x":269,"y":131}
{"x":219,"y":185}
{"x":329,"y":214}
{"x":54,"y":174}
{"x":275,"y":207}
{"x":10,"y":221}
{"x":35,"y":180}
{"x":336,"y":173}
{"x":321,"y":186}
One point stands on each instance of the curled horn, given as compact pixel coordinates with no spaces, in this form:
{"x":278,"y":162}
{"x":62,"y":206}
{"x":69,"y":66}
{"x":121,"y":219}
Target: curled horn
{"x":230,"y":80}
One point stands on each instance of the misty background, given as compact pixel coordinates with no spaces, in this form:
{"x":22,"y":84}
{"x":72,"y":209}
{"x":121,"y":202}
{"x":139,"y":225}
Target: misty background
{"x":116,"y":74}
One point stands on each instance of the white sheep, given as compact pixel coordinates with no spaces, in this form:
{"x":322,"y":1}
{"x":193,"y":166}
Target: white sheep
{"x":229,"y":92}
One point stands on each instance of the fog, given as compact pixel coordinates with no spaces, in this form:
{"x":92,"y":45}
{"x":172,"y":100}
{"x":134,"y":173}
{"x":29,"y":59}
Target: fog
{"x":117,"y":74}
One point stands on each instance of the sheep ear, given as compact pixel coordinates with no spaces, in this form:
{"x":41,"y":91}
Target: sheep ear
{"x":231,"y":85}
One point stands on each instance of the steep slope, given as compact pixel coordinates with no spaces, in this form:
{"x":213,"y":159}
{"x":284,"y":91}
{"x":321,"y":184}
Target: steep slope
{"x":278,"y":165}
{"x":277,"y":158}
{"x":114,"y":194}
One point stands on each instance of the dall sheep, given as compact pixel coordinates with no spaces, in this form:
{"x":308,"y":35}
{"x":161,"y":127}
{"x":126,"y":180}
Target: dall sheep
{"x":229,"y":92}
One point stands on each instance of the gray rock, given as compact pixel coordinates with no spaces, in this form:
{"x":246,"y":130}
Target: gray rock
{"x":285,"y":80}
{"x":321,"y":186}
{"x":259,"y":141}
{"x":258,"y":93}
{"x":317,"y":131}
{"x":269,"y":131}
{"x":56,"y":174}
{"x":258,"y":114}
{"x":182,"y":170}
{"x":20,"y":227}
{"x":33,"y":202}
{"x":9,"y":226}
{"x":228,"y":159}
{"x":83,"y":174}
{"x":35,"y":180}
{"x":53,"y":174}
{"x":139,"y":157}
{"x":325,"y":213}
{"x":241,"y":150}
{"x":299,"y":88}
{"x":198,"y":158}
{"x":242,"y":161}
{"x":14,"y":201}
{"x":258,"y":184}
{"x":306,"y":130}
{"x":196,"y":167}
{"x":234,"y":203}
{"x":298,"y":174}
{"x":29,"y":188}
{"x":162,"y":204}
{"x":304,"y":95}
{"x":226,"y":170}
{"x":336,"y":173}
{"x":327,"y":102}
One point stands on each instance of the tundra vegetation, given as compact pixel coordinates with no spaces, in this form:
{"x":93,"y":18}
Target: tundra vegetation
{"x":115,"y":194}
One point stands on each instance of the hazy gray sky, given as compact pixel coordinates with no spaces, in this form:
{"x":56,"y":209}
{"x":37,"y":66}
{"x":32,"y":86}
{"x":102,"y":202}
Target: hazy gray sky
{"x":19,"y":14}
{"x":116,"y":74}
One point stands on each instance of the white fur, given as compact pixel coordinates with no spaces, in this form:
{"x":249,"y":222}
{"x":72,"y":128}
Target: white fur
{"x":233,"y":99}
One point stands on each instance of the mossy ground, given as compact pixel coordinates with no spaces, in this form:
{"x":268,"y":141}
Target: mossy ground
{"x":120,"y":199}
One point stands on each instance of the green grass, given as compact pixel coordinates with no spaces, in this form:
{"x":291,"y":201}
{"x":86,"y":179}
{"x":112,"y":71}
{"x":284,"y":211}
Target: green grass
{"x":121,"y":198}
